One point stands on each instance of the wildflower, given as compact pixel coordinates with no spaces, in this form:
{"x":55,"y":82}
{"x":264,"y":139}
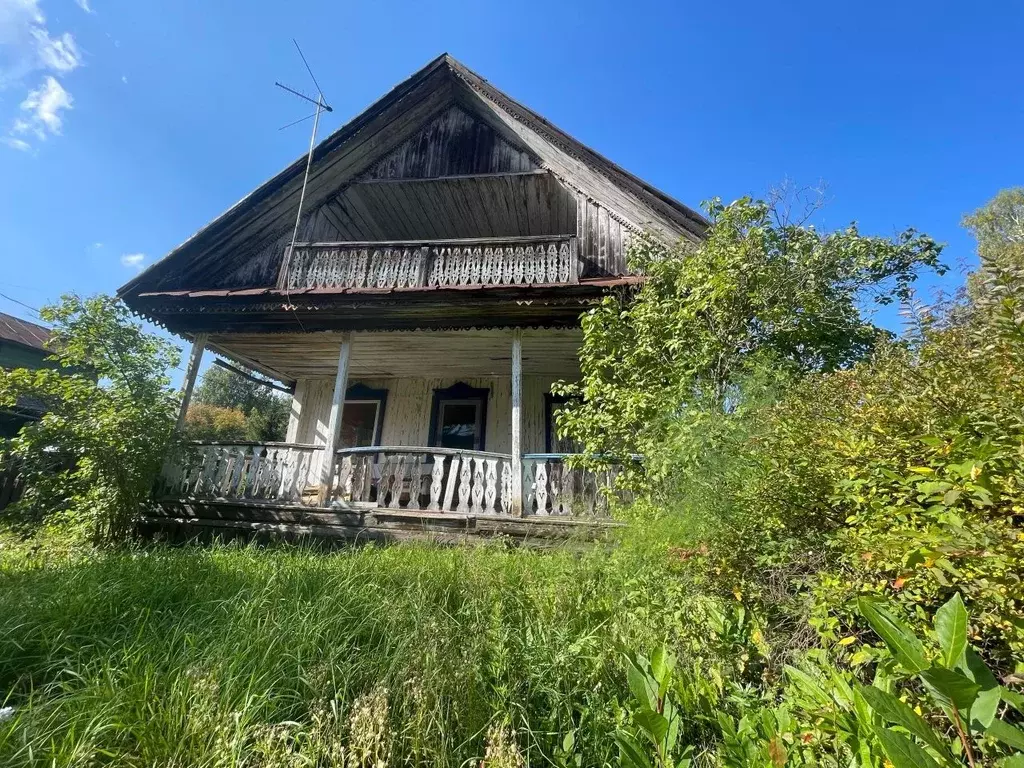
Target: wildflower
{"x":501,"y":751}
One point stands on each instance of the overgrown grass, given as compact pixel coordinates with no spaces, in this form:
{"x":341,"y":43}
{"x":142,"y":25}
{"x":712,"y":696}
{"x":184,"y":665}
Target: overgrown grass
{"x":285,"y":656}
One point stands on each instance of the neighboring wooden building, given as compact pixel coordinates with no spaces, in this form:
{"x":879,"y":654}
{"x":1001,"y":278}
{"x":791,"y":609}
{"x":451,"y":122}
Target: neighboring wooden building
{"x":22,"y":345}
{"x":450,"y":239}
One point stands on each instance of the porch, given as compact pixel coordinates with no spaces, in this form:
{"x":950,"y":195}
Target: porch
{"x":425,"y":430}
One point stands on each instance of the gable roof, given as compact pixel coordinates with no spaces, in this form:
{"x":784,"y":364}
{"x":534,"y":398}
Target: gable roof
{"x":23,"y":332}
{"x":361,"y":145}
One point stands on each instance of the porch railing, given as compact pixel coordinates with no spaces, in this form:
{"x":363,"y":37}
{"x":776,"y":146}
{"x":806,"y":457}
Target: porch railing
{"x":259,"y":471}
{"x":399,"y":477}
{"x":425,"y":479}
{"x":418,"y":264}
{"x":553,"y":486}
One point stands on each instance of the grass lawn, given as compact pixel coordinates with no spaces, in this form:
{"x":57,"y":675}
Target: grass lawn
{"x":405,"y":655}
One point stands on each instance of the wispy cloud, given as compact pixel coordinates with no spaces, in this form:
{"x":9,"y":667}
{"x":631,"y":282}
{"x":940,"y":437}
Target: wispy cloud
{"x":19,"y":144}
{"x":84,"y":5}
{"x":133,"y":260}
{"x":41,"y":110}
{"x":27,"y":47}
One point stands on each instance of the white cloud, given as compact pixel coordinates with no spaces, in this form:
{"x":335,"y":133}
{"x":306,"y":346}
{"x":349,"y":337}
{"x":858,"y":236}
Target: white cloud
{"x":59,"y":54}
{"x":84,"y":5}
{"x":97,"y":245}
{"x":41,"y":110}
{"x":133,"y":260}
{"x":27,"y":47}
{"x":19,"y":144}
{"x":124,"y":79}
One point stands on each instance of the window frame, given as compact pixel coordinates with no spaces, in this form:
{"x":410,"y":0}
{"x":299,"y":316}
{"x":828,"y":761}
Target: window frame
{"x":459,"y":394}
{"x":550,"y":402}
{"x":360,"y":393}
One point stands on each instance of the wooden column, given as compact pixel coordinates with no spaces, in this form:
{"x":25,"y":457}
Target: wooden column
{"x":517,"y":423}
{"x":194,"y":359}
{"x":334,"y":423}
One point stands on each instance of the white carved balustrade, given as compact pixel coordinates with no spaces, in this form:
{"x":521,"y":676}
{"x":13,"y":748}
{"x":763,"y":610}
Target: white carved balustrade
{"x":553,"y":485}
{"x":487,"y":261}
{"x":238,"y":471}
{"x":424,"y":479}
{"x":404,"y":478}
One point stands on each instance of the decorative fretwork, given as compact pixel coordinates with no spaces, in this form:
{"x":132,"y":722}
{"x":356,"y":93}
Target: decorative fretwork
{"x":554,"y":486}
{"x":236,"y":471}
{"x":439,"y":480}
{"x":361,"y":266}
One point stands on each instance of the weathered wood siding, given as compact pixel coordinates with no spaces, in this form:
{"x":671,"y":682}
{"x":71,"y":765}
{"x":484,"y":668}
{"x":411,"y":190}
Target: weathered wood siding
{"x":452,"y":144}
{"x":603,"y":240}
{"x":407,"y":414}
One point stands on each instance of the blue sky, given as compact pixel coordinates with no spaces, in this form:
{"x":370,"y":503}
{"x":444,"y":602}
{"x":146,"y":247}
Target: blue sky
{"x":127,"y":125}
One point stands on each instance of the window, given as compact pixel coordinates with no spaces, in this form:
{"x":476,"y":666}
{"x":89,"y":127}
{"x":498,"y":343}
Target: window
{"x":458,"y":416}
{"x":362,"y":418}
{"x":553,"y":443}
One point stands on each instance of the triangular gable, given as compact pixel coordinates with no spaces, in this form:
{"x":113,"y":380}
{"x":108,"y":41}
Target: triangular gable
{"x":449,"y":105}
{"x":455,"y":143}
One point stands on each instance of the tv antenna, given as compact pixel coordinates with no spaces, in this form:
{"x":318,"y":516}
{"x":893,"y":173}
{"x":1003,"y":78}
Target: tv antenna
{"x":321,"y":106}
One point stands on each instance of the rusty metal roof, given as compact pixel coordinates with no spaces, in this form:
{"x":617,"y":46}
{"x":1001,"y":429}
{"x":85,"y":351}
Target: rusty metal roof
{"x":23,"y":332}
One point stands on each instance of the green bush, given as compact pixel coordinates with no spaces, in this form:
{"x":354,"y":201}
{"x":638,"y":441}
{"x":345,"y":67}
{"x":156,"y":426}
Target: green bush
{"x":215,"y":423}
{"x":91,"y":460}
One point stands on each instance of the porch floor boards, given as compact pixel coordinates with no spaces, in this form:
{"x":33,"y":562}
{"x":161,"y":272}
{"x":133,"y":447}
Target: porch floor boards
{"x":188,"y":519}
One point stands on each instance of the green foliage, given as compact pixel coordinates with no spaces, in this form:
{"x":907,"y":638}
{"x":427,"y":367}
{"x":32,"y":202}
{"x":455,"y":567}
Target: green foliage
{"x":656,"y":719}
{"x":91,"y":460}
{"x":214,"y":423}
{"x":263,"y":656}
{"x":757,"y":287}
{"x":264,"y":410}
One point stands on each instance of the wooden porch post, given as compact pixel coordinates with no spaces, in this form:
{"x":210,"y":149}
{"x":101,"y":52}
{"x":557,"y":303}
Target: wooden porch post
{"x":517,"y":419}
{"x":189,"y":383}
{"x":334,"y":424}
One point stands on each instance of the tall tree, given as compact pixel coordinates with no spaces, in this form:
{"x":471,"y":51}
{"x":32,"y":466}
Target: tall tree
{"x":92,"y":458}
{"x":759,"y":286}
{"x":266,"y":411}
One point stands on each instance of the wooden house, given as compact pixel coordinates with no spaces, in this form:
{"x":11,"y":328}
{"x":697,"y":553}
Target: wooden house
{"x":449,"y":240}
{"x":23,"y":344}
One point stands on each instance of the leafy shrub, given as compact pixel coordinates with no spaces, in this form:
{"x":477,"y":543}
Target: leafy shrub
{"x":91,"y":460}
{"x":264,"y":411}
{"x":213,"y":422}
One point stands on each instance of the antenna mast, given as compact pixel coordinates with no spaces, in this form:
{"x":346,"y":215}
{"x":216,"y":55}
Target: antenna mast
{"x":321,"y":106}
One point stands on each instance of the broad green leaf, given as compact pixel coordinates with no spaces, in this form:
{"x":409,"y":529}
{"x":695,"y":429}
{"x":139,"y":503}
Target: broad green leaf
{"x":1012,"y":698}
{"x":642,"y":687}
{"x":1014,"y":761}
{"x":951,"y":628}
{"x":655,"y":725}
{"x":631,"y":754}
{"x":950,"y":688}
{"x":903,"y":643}
{"x":894,"y":711}
{"x":569,"y":741}
{"x":809,"y":687}
{"x":983,"y":711}
{"x":1006,"y":733}
{"x":902,"y":752}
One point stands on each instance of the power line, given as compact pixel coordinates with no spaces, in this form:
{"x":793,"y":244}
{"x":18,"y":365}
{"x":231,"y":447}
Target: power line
{"x":21,"y":303}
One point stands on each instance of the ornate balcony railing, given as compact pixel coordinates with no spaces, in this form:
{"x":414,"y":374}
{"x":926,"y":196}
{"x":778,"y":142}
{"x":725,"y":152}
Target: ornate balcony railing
{"x":449,"y":263}
{"x":396,"y":478}
{"x":283,"y":472}
{"x":425,"y":479}
{"x":553,"y":486}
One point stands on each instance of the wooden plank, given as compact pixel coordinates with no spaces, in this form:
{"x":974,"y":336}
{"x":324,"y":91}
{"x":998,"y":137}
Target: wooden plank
{"x":517,"y":422}
{"x":195,"y":358}
{"x":334,"y":425}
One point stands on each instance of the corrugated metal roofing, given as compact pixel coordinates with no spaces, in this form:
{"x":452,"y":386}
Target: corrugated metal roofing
{"x":23,"y":332}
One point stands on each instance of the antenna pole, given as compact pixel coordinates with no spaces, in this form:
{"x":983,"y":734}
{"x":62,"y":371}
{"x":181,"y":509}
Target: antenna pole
{"x":302,"y":194}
